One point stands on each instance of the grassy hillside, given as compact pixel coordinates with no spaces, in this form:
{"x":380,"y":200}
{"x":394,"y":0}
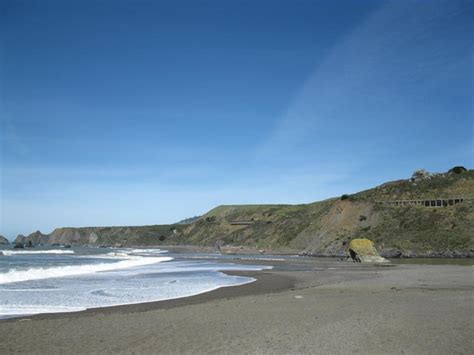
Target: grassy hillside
{"x":431,"y":187}
{"x":326,"y":227}
{"x":322,"y":228}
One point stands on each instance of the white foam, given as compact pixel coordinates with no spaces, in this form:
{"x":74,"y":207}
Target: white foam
{"x":113,"y":255}
{"x":21,"y":252}
{"x":260,"y":259}
{"x":130,"y":285}
{"x":105,"y":293}
{"x":74,"y":270}
{"x":146,"y":251}
{"x":126,"y":253}
{"x":229,"y":257}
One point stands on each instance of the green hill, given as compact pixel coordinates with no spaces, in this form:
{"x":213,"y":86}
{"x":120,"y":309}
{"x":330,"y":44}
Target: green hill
{"x":320,"y":228}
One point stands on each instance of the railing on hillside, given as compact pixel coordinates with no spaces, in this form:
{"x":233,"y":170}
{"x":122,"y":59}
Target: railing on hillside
{"x":432,"y":203}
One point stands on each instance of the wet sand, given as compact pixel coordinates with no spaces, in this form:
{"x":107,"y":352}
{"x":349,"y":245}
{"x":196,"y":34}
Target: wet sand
{"x":302,"y":306}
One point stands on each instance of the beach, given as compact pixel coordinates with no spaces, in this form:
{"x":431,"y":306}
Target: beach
{"x":307,"y":305}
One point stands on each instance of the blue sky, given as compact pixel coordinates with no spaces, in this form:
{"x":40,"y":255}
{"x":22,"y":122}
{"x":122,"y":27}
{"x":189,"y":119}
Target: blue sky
{"x":146,"y":112}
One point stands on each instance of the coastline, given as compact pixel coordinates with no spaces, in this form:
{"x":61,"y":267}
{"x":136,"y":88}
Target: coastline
{"x":244,"y":250}
{"x":264,"y":283}
{"x":305,"y":306}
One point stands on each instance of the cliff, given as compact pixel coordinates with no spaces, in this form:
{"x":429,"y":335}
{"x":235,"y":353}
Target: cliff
{"x":320,"y":228}
{"x":108,"y":236}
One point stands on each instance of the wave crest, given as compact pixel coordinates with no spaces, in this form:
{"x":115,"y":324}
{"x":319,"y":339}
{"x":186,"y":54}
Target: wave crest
{"x":75,"y":270}
{"x":22,"y":252}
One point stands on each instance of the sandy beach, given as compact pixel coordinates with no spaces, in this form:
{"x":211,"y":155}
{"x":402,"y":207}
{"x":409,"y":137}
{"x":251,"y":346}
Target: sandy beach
{"x":309,"y":305}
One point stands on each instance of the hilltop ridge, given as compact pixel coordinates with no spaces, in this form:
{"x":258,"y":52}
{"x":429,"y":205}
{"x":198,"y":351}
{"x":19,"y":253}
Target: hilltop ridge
{"x":319,"y":228}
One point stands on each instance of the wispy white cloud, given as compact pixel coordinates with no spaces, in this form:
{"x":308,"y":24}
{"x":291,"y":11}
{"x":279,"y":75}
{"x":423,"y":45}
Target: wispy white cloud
{"x":367,"y":77}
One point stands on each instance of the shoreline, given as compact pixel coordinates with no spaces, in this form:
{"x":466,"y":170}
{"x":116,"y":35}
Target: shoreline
{"x":246,"y":251}
{"x":264,"y":283}
{"x":243,"y":250}
{"x":302,"y":306}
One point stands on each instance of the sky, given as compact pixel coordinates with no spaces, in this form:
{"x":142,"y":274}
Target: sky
{"x":143,"y":112}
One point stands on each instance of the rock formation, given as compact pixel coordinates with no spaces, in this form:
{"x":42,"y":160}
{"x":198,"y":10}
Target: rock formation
{"x":363,"y":251}
{"x":420,"y":175}
{"x":4,"y":240}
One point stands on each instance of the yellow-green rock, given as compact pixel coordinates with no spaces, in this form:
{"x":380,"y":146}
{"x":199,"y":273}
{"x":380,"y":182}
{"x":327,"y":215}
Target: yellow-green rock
{"x":363,"y":251}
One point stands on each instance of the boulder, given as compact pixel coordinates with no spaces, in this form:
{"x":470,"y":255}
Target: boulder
{"x":363,"y":251}
{"x":391,"y":253}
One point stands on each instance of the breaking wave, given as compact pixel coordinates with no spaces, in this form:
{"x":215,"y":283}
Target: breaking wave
{"x":74,"y":270}
{"x":22,"y":252}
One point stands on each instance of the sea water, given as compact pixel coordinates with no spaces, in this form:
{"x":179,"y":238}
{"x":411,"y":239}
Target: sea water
{"x":51,"y":280}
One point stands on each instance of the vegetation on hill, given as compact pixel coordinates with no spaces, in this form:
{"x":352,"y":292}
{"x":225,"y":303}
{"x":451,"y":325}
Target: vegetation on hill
{"x":428,"y":186}
{"x":320,"y":228}
{"x":189,"y":220}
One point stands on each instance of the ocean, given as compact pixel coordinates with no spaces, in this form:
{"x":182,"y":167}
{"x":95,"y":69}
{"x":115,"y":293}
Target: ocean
{"x":51,"y":280}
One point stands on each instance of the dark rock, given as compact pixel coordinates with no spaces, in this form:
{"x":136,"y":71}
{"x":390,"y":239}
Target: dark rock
{"x":20,"y":239}
{"x":457,"y":170}
{"x":19,"y":246}
{"x":391,"y":253}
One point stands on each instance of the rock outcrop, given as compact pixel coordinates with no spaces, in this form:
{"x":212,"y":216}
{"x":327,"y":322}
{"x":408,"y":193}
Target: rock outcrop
{"x":20,"y":239}
{"x":363,"y":251}
{"x":108,"y":236}
{"x":36,"y":238}
{"x":4,"y":240}
{"x":420,"y":175}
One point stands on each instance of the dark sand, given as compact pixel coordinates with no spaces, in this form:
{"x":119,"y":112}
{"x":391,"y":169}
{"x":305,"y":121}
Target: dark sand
{"x":303,"y":306}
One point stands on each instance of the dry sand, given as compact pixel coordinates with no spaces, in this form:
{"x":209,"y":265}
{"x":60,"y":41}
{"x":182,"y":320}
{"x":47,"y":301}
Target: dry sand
{"x":313,"y":306}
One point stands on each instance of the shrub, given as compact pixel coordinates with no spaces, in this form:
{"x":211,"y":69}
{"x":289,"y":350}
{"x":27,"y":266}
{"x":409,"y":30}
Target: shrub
{"x":457,"y":170}
{"x":344,"y":197}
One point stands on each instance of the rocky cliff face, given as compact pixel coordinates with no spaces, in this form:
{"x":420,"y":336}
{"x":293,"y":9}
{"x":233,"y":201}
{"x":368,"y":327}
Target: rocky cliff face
{"x":321,"y":228}
{"x":3,"y":240}
{"x":107,"y":236}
